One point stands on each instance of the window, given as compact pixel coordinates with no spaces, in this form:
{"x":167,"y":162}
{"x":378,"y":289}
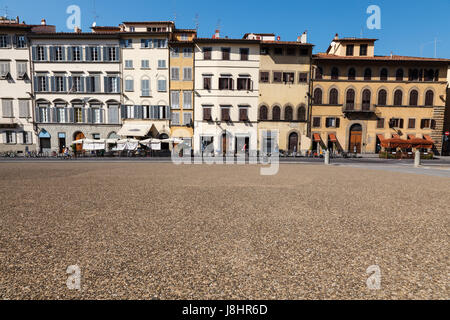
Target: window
{"x":319,"y":73}
{"x":7,"y":108}
{"x":132,"y":29}
{"x":380,"y":123}
{"x":175,"y":118}
{"x":225,"y":83}
{"x":429,"y":75}
{"x":41,"y":83}
{"x":278,"y":51}
{"x":277,"y":77}
{"x":58,"y":53}
{"x":146,"y":43}
{"x":398,"y":98}
{"x":316,"y":122}
{"x":10,"y":137}
{"x":207,"y":81}
{"x":396,"y":123}
{"x":187,"y":118}
{"x":187,"y":99}
{"x":162,"y":85}
{"x":226,"y":53}
{"x":24,"y":109}
{"x":22,"y":70}
{"x":129,"y":85}
{"x":175,"y":73}
{"x":334,"y":73}
{"x":160,"y":43}
{"x":112,"y":54}
{"x":399,"y":75}
{"x":59,"y":84}
{"x":264,"y":77}
{"x":366,"y":97}
{"x":27,"y":137}
{"x":225,"y":114}
{"x":207,"y":114}
{"x":413,"y":98}
{"x":162,"y":64}
{"x":318,"y":96}
{"x":363,"y":50}
{"x":43,"y":113}
{"x":145,"y":87}
{"x":351,"y":74}
{"x":244,"y":52}
{"x":60,"y":114}
{"x":187,"y":52}
{"x":302,"y":77}
{"x":175,"y":99}
{"x":301,"y":113}
{"x":184,"y":37}
{"x":187,"y":74}
{"x":288,"y":77}
{"x":244,"y":84}
{"x":128,"y":64}
{"x":112,"y":84}
{"x":207,"y":53}
{"x":41,"y":53}
{"x":368,"y":74}
{"x":411,"y":123}
{"x":429,"y":98}
{"x":243,"y":114}
{"x":76,"y":84}
{"x":175,"y":52}
{"x":288,"y":114}
{"x":145,"y":64}
{"x":349,"y":50}
{"x":332,"y":122}
{"x":96,"y":136}
{"x":5,"y":41}
{"x":384,"y":74}
{"x":129,"y":112}
{"x":78,"y":113}
{"x":4,"y":69}
{"x":76,"y":53}
{"x":21,"y":41}
{"x":382,"y":97}
{"x":290,"y":51}
{"x":427,"y":124}
{"x":127,"y":43}
{"x":263,"y":113}
{"x":94,"y":54}
{"x":350,"y":100}
{"x":334,"y":95}
{"x":96,"y":114}
{"x":276,"y":113}
{"x":413,"y":75}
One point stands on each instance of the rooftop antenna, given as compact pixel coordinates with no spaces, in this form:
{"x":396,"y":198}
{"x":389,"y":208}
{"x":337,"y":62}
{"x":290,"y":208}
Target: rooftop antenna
{"x":95,"y":15}
{"x":435,"y":42}
{"x":5,"y":10}
{"x":196,"y":20}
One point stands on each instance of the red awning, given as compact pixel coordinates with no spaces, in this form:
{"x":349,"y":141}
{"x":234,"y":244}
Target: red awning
{"x":381,"y":137}
{"x":395,"y":136}
{"x":411,"y":136}
{"x":332,"y":137}
{"x":427,"y":137}
{"x":317,"y":137}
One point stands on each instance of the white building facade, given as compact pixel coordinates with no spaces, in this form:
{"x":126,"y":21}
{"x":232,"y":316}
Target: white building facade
{"x":76,"y":88}
{"x":226,"y":96}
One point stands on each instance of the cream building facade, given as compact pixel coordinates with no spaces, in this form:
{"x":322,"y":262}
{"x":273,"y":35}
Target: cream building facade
{"x":226,"y":96}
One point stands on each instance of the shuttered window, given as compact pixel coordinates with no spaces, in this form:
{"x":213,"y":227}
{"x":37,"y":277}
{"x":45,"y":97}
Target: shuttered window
{"x":7,"y":108}
{"x":24,"y":108}
{"x":187,"y":118}
{"x":175,"y":99}
{"x":187,"y":99}
{"x":187,"y":74}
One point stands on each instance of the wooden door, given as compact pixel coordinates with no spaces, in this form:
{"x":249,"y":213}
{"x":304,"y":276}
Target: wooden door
{"x":293,"y":142}
{"x":79,"y":146}
{"x":355,"y":141}
{"x":224,"y":144}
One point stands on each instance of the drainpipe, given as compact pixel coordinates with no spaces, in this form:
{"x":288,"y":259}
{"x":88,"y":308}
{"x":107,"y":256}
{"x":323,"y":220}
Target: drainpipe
{"x":33,"y":95}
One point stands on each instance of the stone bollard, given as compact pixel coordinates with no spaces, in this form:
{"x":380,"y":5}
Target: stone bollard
{"x":327,"y":157}
{"x":417,"y":159}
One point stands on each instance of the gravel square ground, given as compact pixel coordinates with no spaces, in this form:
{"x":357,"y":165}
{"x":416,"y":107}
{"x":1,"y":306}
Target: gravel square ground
{"x":155,"y":230}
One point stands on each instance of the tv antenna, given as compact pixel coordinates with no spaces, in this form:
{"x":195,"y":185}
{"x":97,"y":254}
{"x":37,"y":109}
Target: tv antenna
{"x":196,"y":21}
{"x":5,"y":10}
{"x":435,"y":42}
{"x":95,"y":14}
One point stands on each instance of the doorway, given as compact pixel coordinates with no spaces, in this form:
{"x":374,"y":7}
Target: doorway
{"x":61,"y":142}
{"x":355,"y":139}
{"x":293,"y":142}
{"x":79,"y":136}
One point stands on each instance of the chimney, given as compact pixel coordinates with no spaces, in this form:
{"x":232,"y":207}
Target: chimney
{"x":43,"y":22}
{"x":216,"y":35}
{"x":304,"y":37}
{"x":336,"y":37}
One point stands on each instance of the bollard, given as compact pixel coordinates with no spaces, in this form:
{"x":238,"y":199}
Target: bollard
{"x":417,"y":159}
{"x":327,"y":157}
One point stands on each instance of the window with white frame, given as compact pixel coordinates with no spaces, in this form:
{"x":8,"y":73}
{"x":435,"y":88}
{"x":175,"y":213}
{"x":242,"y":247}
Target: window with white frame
{"x":76,"y":84}
{"x":42,"y":85}
{"x":40,"y":53}
{"x":175,"y":99}
{"x":7,"y":108}
{"x":145,"y":64}
{"x":59,"y":83}
{"x":128,"y":64}
{"x":175,"y":52}
{"x":187,"y":99}
{"x":21,"y":41}
{"x":96,"y":114}
{"x":187,"y":74}
{"x":175,"y":74}
{"x":59,"y":53}
{"x":95,"y":53}
{"x":146,"y":43}
{"x":43,"y":113}
{"x":187,"y":52}
{"x":184,"y":37}
{"x":162,"y":64}
{"x":145,"y":87}
{"x":5,"y":41}
{"x":21,"y":69}
{"x":27,"y":137}
{"x":78,"y":113}
{"x":112,"y":54}
{"x":162,"y":85}
{"x":10,"y":137}
{"x":4,"y":69}
{"x":76,"y":53}
{"x":61,"y":113}
{"x":129,"y":85}
{"x":187,"y":118}
{"x":112,"y":85}
{"x":24,"y":108}
{"x":175,"y":118}
{"x":129,"y":109}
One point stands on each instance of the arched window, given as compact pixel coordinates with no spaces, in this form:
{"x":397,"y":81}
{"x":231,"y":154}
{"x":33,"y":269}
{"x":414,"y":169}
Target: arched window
{"x":382,"y":97}
{"x":399,"y":75}
{"x":288,"y":114}
{"x":368,"y":74}
{"x":350,"y":100}
{"x":334,"y":73}
{"x":413,"y":98}
{"x":429,"y":98}
{"x":429,"y":75}
{"x":263,"y":113}
{"x":366,"y":96}
{"x":398,"y":98}
{"x":276,"y":113}
{"x":384,"y":74}
{"x":319,"y":73}
{"x":334,"y":95}
{"x":318,"y":96}
{"x":301,"y":113}
{"x":352,"y":74}
{"x":413,"y":75}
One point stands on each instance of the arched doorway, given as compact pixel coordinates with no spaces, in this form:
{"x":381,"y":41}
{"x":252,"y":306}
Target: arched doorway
{"x":355,"y":139}
{"x":78,"y":136}
{"x":293,"y":142}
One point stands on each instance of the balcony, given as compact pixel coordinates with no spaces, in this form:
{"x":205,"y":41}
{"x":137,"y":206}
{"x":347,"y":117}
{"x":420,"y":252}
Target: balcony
{"x":355,"y":108}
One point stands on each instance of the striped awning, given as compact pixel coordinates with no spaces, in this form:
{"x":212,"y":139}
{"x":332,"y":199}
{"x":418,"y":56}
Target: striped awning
{"x":332,"y":137}
{"x":316,"y":137}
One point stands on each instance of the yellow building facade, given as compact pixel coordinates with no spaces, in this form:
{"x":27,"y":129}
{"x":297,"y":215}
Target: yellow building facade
{"x":359,"y":99}
{"x":182,"y":84}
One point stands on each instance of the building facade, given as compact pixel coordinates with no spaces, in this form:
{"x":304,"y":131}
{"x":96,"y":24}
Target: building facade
{"x":16,"y":117}
{"x":145,"y":52}
{"x":284,"y":86}
{"x":359,"y":99}
{"x":182,"y":85}
{"x":226,"y":96}
{"x":76,"y":88}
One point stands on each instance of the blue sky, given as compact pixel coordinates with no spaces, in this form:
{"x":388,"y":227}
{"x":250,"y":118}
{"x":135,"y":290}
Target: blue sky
{"x":407,"y":27}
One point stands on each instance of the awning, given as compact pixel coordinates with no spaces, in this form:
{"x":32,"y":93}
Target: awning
{"x":44,"y":134}
{"x":332,"y":137}
{"x":316,"y":137}
{"x":427,"y":137}
{"x":411,"y":136}
{"x":395,"y":136}
{"x":134,"y":130}
{"x":381,"y":137}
